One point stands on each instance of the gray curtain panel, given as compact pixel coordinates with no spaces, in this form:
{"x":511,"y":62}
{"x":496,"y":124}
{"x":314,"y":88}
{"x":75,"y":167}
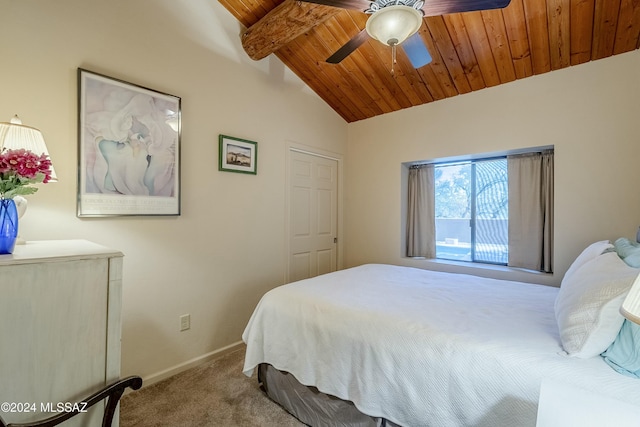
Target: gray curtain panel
{"x":531,"y":211}
{"x":421,"y":223}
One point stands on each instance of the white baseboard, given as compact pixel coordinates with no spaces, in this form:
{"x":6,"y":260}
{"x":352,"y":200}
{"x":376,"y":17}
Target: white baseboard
{"x":159,"y":376}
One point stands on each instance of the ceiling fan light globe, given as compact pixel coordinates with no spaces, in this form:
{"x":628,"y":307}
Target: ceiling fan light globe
{"x":394,"y":24}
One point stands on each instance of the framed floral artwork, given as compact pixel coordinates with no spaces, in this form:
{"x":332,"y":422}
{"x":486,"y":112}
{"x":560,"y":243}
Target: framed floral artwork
{"x":129,"y":148}
{"x":237,"y":155}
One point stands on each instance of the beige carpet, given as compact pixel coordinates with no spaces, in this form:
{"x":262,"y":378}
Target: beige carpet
{"x":214,"y":394}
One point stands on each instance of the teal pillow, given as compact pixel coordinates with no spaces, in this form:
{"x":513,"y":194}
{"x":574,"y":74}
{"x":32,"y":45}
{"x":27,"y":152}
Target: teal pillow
{"x":626,"y":248}
{"x":623,"y":354}
{"x":633,"y":260}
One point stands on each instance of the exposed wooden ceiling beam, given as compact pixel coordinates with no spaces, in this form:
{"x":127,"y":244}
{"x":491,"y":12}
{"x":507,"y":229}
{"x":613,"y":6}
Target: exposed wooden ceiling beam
{"x":283,"y":24}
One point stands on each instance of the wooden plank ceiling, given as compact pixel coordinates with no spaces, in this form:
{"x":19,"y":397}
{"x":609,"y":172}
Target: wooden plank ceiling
{"x":470,"y":50}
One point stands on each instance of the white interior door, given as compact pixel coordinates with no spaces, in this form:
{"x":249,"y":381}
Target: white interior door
{"x":313,"y":215}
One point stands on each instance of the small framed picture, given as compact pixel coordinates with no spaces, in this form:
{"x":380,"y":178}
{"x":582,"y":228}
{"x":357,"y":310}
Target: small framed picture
{"x":129,"y":148}
{"x":238,"y":155}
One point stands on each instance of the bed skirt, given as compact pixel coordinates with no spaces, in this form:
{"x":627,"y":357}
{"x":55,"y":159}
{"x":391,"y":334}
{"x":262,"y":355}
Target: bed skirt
{"x":311,"y":406}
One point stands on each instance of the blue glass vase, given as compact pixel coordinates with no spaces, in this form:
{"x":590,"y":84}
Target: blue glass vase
{"x":8,"y":226}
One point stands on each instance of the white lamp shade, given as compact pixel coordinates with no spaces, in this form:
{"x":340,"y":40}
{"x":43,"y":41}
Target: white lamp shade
{"x":392,"y":25}
{"x":631,"y":305}
{"x":15,"y":135}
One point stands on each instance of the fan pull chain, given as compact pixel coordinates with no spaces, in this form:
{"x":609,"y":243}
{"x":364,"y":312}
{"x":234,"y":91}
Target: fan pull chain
{"x":393,"y":58}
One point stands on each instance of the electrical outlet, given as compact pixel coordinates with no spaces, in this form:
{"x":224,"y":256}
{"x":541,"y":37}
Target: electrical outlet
{"x":185,"y":322}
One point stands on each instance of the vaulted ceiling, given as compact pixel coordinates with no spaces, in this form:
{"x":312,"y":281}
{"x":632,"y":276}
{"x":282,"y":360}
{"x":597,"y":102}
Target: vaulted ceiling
{"x":470,"y":50}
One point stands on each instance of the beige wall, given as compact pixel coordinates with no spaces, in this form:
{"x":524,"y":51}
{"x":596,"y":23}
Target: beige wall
{"x":590,"y":113}
{"x":227,"y":247}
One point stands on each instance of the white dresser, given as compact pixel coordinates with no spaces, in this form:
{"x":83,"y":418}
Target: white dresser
{"x":60,"y":326}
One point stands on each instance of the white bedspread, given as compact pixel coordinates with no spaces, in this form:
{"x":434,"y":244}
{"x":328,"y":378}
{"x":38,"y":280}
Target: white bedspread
{"x":423,"y":348}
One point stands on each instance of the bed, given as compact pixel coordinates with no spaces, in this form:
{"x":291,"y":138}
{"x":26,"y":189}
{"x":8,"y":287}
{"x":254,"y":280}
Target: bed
{"x":389,"y":345}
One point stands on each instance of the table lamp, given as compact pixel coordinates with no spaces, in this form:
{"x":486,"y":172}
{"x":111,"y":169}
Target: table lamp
{"x":631,"y":305}
{"x":14,"y":135}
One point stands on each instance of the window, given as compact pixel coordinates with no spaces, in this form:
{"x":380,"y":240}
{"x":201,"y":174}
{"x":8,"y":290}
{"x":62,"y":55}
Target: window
{"x":495,"y":209}
{"x":472,"y":211}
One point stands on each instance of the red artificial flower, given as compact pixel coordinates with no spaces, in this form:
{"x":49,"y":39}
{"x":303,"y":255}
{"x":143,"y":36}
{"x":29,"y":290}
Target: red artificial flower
{"x":21,"y":168}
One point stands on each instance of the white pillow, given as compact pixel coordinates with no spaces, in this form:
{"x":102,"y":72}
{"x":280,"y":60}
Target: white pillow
{"x":590,"y":252}
{"x":588,"y":304}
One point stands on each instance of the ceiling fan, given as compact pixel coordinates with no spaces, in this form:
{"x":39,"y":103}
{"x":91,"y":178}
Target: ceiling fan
{"x":396,"y":23}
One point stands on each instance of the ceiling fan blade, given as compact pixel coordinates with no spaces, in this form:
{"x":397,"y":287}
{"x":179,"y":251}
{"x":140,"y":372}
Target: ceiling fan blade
{"x":430,"y":8}
{"x":349,"y":47}
{"x":416,"y":50}
{"x":344,"y":4}
{"x":442,"y":7}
